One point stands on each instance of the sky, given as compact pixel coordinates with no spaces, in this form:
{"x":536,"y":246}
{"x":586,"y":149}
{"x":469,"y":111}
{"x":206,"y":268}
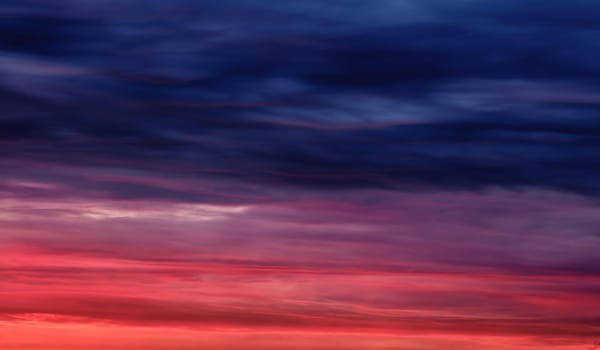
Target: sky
{"x":304,"y":175}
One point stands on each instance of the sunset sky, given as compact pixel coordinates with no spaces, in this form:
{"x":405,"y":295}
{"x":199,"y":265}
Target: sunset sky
{"x":299,"y":175}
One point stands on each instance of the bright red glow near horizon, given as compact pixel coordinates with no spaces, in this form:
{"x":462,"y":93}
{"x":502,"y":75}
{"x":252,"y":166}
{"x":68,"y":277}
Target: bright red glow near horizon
{"x":302,"y":274}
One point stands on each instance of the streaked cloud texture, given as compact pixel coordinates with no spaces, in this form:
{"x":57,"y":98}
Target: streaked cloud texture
{"x":315,"y":174}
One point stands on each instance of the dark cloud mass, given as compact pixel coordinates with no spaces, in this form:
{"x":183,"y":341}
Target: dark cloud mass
{"x":398,"y":94}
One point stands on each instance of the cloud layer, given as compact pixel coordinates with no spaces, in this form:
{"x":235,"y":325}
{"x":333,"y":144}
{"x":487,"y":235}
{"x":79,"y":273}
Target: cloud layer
{"x":390,"y":175}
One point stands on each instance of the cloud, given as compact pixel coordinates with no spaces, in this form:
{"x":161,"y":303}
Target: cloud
{"x":356,"y":261}
{"x":280,"y":112}
{"x":312,"y":166}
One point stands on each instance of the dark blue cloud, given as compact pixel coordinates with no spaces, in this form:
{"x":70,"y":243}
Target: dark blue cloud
{"x":418,"y":95}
